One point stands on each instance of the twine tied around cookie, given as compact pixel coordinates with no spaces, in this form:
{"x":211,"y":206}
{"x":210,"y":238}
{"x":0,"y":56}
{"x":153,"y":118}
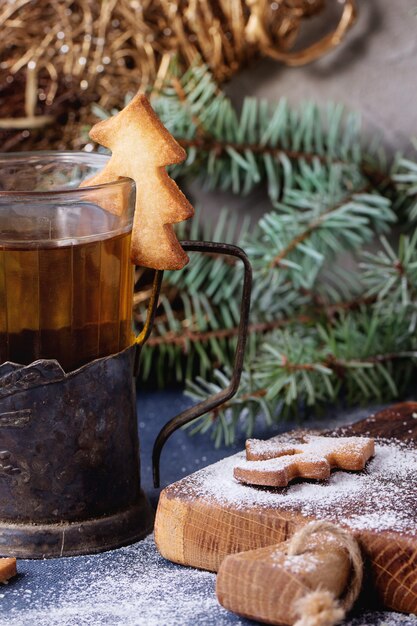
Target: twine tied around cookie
{"x":321,"y":607}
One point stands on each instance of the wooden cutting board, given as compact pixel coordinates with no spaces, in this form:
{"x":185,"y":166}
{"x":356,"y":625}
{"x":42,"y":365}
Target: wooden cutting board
{"x":208,"y":515}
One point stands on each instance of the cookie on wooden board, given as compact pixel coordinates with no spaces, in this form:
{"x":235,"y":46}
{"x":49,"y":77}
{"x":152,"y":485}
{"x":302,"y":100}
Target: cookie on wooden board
{"x":273,"y":463}
{"x":208,"y":515}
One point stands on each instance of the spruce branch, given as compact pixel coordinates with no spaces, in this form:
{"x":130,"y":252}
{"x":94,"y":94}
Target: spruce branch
{"x":263,"y":144}
{"x":293,"y":243}
{"x":319,"y":332}
{"x":359,"y":359}
{"x":404,"y":176}
{"x":185,"y":335}
{"x":390,"y":276}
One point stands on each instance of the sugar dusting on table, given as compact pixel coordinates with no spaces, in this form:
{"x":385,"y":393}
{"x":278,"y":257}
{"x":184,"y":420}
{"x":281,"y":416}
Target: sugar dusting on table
{"x":132,"y":586}
{"x":386,"y":489}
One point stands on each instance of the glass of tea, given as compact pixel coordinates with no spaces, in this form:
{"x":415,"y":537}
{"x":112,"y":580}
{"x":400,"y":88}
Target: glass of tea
{"x":66,"y":279}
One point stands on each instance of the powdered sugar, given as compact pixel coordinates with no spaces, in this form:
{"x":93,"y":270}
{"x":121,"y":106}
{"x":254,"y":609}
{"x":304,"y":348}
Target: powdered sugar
{"x":133,"y":586}
{"x":298,"y":564}
{"x":315,"y":445}
{"x":382,"y":619}
{"x":383,"y":496}
{"x":281,"y":462}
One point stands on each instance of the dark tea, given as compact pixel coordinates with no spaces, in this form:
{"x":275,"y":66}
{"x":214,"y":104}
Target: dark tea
{"x":67,"y":295}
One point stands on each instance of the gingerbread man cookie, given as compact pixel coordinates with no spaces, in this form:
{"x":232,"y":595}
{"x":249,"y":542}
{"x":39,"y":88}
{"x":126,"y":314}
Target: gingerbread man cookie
{"x":274,"y":463}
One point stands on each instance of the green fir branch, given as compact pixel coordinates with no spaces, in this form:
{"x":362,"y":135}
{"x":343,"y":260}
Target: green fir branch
{"x":264,"y":144}
{"x":360,"y":359}
{"x":404,"y":176}
{"x":319,"y":333}
{"x":390,"y":276}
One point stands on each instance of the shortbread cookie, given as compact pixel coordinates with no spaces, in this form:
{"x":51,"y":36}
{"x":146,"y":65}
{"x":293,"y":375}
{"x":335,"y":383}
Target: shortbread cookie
{"x":141,"y":148}
{"x":274,"y":464}
{"x":7,"y":569}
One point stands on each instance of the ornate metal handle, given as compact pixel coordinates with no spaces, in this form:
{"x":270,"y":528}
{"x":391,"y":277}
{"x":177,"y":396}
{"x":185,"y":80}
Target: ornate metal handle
{"x":150,"y":316}
{"x":219,"y":398}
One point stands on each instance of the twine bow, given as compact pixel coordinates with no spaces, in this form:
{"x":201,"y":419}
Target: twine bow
{"x":320,"y":607}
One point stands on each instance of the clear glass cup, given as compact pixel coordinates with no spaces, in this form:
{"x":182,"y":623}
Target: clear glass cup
{"x":66,"y":279}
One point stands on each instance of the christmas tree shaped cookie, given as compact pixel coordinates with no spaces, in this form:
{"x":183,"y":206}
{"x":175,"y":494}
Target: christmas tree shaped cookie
{"x":141,"y":149}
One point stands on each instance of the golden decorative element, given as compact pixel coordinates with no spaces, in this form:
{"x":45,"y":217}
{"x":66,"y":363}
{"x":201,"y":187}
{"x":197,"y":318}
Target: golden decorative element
{"x":56,"y":58}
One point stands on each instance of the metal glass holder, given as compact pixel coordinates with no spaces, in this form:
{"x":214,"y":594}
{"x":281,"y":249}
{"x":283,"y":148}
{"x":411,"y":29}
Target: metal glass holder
{"x":69,"y":448}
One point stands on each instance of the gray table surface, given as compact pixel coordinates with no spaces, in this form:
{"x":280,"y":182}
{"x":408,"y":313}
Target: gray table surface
{"x":134,"y":585}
